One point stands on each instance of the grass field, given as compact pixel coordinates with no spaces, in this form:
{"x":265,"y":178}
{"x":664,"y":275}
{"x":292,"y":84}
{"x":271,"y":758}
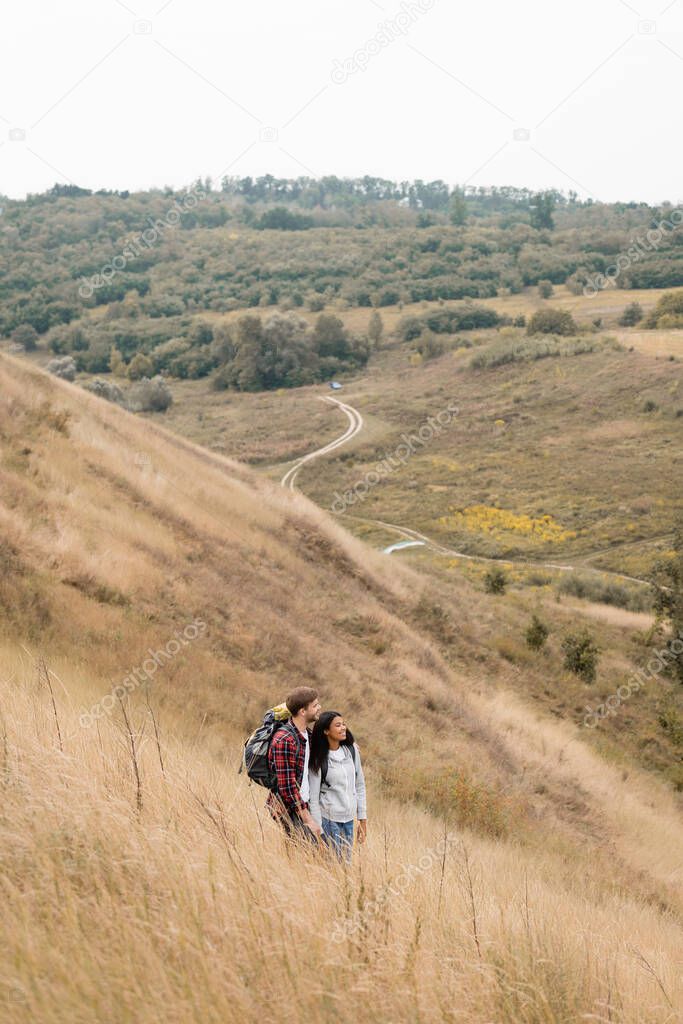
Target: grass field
{"x":531,"y":438}
{"x":142,"y":880}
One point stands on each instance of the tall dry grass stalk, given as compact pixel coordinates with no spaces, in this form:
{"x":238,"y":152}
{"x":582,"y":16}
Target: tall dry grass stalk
{"x":189,"y":906}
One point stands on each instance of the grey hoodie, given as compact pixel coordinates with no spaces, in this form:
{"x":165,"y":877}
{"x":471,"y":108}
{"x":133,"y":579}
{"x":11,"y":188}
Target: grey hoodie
{"x":342,"y":798}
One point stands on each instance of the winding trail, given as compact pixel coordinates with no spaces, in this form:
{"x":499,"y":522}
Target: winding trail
{"x":355,"y":426}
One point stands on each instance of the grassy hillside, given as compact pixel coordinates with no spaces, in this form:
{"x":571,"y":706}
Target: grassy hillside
{"x":154,"y":887}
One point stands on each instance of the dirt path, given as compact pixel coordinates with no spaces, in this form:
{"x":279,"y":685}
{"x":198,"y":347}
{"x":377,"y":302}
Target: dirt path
{"x":354,"y":427}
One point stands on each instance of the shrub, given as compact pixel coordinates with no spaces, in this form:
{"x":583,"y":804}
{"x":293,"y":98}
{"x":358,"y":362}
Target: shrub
{"x":63,"y":366}
{"x":375,"y":329}
{"x":537,"y":634}
{"x":632,"y":315}
{"x":545,"y":289}
{"x":522,"y":350}
{"x":140,"y":366}
{"x":581,"y":655}
{"x":551,"y":321}
{"x":495,"y":581}
{"x":282,"y":219}
{"x":150,"y":395}
{"x":592,"y":588}
{"x":668,"y":312}
{"x":430,"y":345}
{"x":27,"y":336}
{"x":107,"y":390}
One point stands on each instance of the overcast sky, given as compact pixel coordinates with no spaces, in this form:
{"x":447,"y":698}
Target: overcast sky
{"x":135,"y":94}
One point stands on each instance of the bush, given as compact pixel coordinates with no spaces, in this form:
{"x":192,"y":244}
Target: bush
{"x":632,"y":315}
{"x":282,"y":219}
{"x":63,"y":367}
{"x":105,"y":389}
{"x":581,"y":655}
{"x":27,"y":336}
{"x":150,"y":395}
{"x":522,"y":350}
{"x":467,"y":317}
{"x":140,"y":366}
{"x":668,"y":313}
{"x":592,"y":588}
{"x":551,"y":321}
{"x":495,"y":581}
{"x":430,"y":345}
{"x":537,"y":634}
{"x":545,"y":289}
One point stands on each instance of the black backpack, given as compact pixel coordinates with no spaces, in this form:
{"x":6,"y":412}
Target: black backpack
{"x":255,"y":755}
{"x":323,"y":767}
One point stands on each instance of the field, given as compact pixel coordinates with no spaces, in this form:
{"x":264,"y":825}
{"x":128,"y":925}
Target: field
{"x":530,"y":438}
{"x":519,"y":867}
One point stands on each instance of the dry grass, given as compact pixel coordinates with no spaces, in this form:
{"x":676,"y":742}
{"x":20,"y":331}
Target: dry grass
{"x":154,"y":887}
{"x":187,"y":906}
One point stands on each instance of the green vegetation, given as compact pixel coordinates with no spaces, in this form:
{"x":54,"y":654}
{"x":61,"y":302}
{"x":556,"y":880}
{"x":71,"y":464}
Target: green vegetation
{"x":537,"y":634}
{"x":551,"y":321}
{"x":581,"y":655}
{"x":284,"y":351}
{"x":668,"y":312}
{"x":83,"y":272}
{"x":528,"y":350}
{"x":667,"y":579}
{"x":495,"y":581}
{"x":467,"y":317}
{"x":593,"y":588}
{"x":632,"y":315}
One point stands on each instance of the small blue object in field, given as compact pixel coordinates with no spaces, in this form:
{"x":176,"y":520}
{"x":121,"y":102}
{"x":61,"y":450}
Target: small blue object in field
{"x":335,"y":385}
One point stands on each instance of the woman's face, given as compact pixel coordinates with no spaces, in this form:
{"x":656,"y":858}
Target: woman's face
{"x":336,"y":730}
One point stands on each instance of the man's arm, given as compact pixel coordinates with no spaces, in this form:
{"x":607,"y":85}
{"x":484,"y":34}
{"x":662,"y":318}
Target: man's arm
{"x":283,"y":750}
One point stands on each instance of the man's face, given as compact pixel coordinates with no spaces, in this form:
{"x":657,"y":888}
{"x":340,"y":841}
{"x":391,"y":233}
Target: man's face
{"x":313,"y":711}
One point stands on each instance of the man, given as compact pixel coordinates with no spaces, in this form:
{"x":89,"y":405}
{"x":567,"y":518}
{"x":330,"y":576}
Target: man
{"x":288,"y":758}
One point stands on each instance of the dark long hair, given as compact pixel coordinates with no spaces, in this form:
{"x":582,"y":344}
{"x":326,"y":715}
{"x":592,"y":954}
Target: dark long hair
{"x":319,"y":745}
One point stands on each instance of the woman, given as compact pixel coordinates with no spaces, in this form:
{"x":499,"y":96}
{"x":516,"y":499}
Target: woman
{"x":337,"y":784}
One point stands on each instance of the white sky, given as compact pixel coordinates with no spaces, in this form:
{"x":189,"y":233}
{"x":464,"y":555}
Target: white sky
{"x":133,"y":94}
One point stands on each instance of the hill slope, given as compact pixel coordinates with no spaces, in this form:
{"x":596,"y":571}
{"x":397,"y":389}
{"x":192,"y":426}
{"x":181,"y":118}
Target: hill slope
{"x":140,"y":902}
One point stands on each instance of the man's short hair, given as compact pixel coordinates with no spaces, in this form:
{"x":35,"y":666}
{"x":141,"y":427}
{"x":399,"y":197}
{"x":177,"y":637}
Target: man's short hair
{"x":300,"y":698}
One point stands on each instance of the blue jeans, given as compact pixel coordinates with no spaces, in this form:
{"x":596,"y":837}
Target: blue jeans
{"x":339,"y":837}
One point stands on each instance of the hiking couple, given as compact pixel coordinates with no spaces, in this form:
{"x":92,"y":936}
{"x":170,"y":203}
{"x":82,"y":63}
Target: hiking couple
{"x":313,"y":769}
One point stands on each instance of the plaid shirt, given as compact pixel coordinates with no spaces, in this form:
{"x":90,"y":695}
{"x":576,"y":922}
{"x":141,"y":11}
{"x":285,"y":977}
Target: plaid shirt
{"x":286,"y":758}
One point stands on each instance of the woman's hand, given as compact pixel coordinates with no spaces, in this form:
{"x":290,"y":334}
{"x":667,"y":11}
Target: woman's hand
{"x":362,"y":830}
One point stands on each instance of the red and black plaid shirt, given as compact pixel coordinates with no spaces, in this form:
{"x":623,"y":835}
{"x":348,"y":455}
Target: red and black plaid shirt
{"x":286,"y":758}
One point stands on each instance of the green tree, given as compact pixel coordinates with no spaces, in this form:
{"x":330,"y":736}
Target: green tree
{"x":330,"y":337}
{"x":542,"y":208}
{"x":246,"y":370}
{"x":375,"y":329}
{"x":551,"y":321}
{"x":140,"y":366}
{"x":117,"y":364}
{"x":537,"y":634}
{"x":668,"y":312}
{"x":632,"y":315}
{"x":27,"y":336}
{"x":457,"y":212}
{"x":581,"y":655}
